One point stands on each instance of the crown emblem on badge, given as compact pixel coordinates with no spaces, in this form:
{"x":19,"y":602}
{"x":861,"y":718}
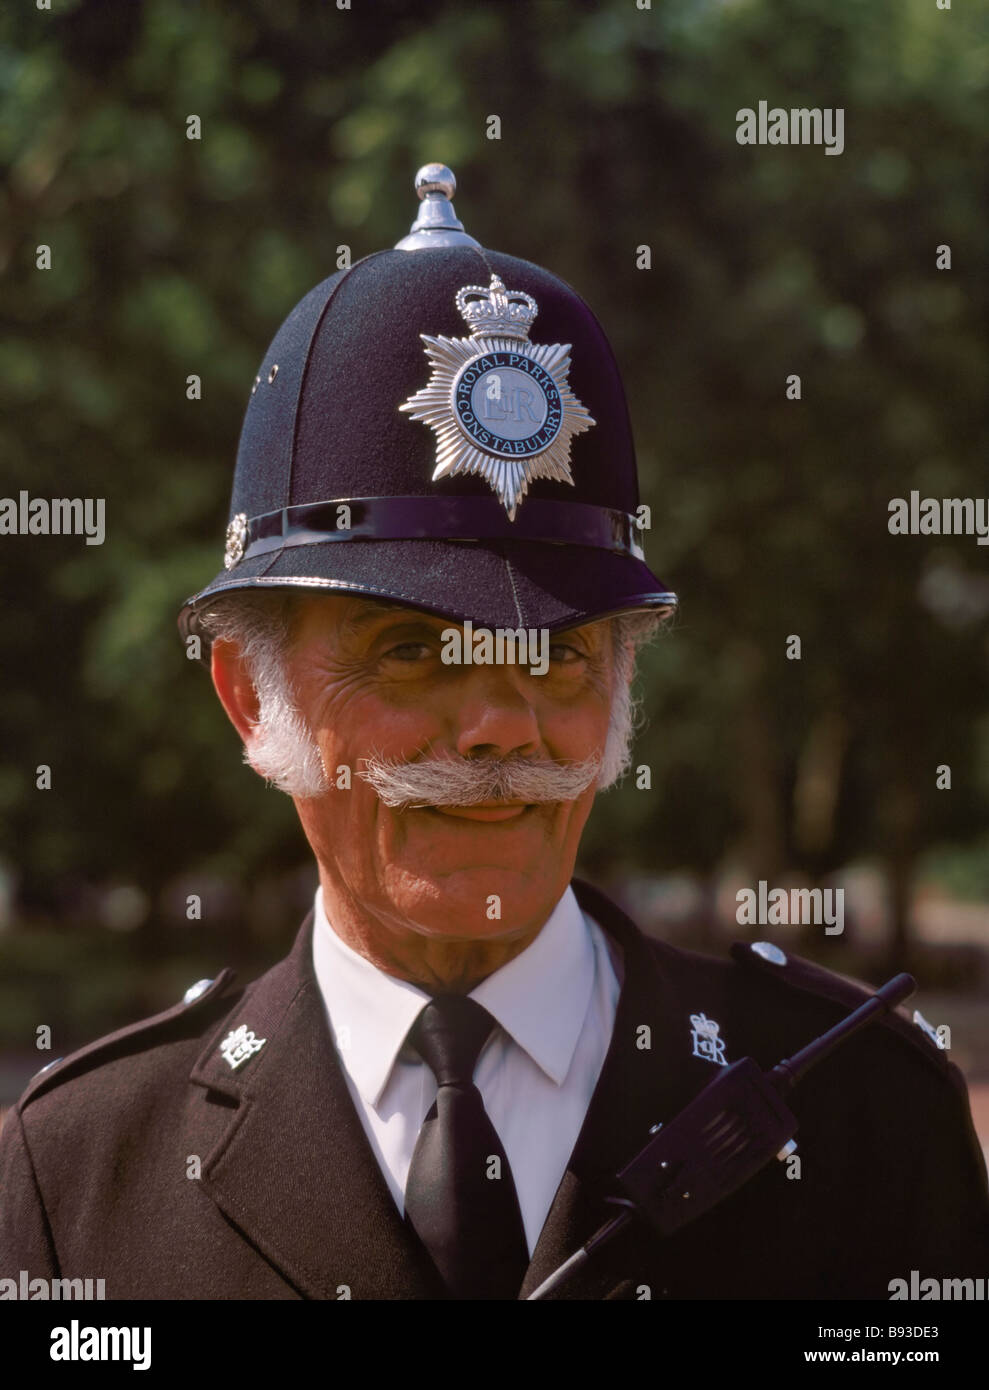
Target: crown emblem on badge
{"x":507,"y":313}
{"x":500,"y":406}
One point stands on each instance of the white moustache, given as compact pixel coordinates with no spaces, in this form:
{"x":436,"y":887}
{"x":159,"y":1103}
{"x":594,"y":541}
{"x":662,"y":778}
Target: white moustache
{"x":458,"y":781}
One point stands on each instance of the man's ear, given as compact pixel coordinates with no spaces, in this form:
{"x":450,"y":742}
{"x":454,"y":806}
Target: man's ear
{"x":235,"y":688}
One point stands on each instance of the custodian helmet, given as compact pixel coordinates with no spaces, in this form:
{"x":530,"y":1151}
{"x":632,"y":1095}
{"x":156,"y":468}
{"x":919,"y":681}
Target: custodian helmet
{"x":444,"y":426}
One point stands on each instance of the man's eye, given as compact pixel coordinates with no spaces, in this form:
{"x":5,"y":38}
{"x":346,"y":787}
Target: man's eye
{"x":409,"y":651}
{"x":560,"y":651}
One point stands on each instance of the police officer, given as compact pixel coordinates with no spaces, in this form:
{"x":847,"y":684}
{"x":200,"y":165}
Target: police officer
{"x":423,"y":631}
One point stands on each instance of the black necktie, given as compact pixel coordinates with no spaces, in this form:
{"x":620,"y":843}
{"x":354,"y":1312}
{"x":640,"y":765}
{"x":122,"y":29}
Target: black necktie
{"x":460,"y":1196}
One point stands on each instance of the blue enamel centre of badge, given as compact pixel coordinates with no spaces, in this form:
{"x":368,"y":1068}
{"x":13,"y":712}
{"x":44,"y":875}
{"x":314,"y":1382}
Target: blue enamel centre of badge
{"x":508,"y":404}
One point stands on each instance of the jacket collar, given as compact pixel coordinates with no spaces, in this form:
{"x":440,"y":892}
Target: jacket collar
{"x":293,"y":1169}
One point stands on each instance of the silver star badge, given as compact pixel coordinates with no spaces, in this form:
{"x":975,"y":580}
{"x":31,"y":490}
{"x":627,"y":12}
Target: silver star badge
{"x":500,"y":406}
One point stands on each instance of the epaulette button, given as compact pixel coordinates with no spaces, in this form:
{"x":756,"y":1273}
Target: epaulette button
{"x":769,"y":952}
{"x":194,"y":991}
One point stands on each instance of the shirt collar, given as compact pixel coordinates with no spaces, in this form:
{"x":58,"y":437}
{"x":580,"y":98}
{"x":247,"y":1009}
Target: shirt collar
{"x":542,"y":995}
{"x":540,"y":998}
{"x":370,"y":1012}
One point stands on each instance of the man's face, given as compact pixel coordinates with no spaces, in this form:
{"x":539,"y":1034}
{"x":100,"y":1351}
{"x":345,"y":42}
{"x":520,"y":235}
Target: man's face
{"x":369,"y":680}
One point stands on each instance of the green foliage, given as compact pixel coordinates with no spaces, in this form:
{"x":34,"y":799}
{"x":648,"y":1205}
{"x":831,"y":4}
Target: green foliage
{"x":174,"y":256}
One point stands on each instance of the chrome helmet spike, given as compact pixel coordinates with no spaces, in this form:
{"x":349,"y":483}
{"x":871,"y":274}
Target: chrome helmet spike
{"x":437,"y":223}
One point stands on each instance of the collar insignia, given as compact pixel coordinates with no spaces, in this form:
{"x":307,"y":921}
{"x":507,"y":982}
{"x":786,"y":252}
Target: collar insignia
{"x":500,"y":406}
{"x":707,"y":1044}
{"x":239,"y":1045}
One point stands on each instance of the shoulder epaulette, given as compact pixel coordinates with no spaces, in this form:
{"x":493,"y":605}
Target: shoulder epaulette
{"x":796,"y":973}
{"x":116,"y":1044}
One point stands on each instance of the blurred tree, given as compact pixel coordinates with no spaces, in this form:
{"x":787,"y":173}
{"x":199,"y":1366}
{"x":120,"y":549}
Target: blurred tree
{"x":173,"y":257}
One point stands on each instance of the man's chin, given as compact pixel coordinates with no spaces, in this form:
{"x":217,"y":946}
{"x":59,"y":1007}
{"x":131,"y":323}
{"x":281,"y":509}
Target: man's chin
{"x":466,"y":902}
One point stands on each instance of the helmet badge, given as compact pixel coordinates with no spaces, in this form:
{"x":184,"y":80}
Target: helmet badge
{"x":500,"y":406}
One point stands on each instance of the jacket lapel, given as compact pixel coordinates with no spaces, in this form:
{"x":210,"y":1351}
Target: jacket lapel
{"x":647,"y":1077}
{"x":292,"y":1168}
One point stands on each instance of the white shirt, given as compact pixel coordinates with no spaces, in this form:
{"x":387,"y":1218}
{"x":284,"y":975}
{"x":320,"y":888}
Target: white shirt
{"x":555,"y":1003}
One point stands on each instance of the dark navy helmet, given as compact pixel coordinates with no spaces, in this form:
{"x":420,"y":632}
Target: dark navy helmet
{"x":444,"y":426}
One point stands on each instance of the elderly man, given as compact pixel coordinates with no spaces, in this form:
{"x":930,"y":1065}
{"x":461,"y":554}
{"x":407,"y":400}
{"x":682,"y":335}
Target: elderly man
{"x":425,"y":633}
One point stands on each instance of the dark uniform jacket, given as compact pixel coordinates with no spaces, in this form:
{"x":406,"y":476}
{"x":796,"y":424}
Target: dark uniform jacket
{"x":146,"y":1160}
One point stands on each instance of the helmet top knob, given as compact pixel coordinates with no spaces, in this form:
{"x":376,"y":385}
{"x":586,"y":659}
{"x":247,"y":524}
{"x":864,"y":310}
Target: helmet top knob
{"x":437,"y":223}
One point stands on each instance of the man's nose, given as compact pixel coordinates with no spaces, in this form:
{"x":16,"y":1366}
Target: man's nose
{"x":495,"y":715}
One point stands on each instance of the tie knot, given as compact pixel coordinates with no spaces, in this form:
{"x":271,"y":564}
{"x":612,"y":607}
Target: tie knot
{"x":448,"y":1035}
